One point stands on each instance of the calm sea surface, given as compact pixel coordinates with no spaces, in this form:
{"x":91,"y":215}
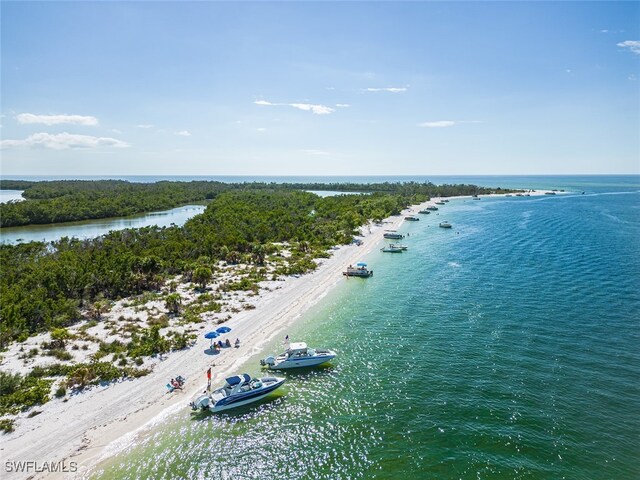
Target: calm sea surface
{"x":504,"y":348}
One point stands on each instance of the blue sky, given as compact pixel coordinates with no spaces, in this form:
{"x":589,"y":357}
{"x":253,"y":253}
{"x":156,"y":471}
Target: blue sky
{"x":320,"y":88}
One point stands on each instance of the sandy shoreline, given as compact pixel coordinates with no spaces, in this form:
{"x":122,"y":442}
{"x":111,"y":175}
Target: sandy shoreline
{"x":98,"y":423}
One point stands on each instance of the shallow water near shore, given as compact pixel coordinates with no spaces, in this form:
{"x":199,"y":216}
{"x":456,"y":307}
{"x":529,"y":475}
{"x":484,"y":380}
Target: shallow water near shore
{"x":505,"y":347}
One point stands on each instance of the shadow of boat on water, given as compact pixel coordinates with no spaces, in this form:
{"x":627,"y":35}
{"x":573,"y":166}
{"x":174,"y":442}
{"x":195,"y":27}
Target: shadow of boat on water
{"x":244,"y":412}
{"x":301,"y":373}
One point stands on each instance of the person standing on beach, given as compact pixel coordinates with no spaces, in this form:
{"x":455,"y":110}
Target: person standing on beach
{"x":209,"y":379}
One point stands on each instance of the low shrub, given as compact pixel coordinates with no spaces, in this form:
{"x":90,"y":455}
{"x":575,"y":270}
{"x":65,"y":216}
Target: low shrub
{"x":7,"y":425}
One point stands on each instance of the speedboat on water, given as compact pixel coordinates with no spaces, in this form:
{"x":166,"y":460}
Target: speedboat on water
{"x":237,"y":391}
{"x":393,"y":235}
{"x":298,"y":355}
{"x":392,"y":249}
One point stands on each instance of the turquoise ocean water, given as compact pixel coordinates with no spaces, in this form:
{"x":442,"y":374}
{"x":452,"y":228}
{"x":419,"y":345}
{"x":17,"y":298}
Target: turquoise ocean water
{"x":507,"y":347}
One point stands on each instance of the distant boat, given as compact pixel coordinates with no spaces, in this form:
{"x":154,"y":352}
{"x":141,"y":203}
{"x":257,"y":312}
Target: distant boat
{"x":411,"y":218}
{"x":398,"y":245}
{"x":549,"y":193}
{"x":446,"y":201}
{"x":508,"y":195}
{"x":425,"y":211}
{"x":391,"y":249}
{"x":445,"y":225}
{"x":298,"y":355}
{"x":476,"y":197}
{"x":360,"y":270}
{"x":237,"y":391}
{"x":393,"y":235}
{"x":432,"y":208}
{"x":440,"y":202}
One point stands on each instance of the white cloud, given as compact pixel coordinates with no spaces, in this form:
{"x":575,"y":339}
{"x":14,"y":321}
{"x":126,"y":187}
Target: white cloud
{"x":261,"y":129}
{"x":438,"y":124}
{"x":307,"y":107}
{"x":343,"y":105}
{"x":183,"y":133}
{"x":632,"y":45}
{"x":29,"y":118}
{"x":63,"y":141}
{"x":144,"y":126}
{"x":387,"y":89}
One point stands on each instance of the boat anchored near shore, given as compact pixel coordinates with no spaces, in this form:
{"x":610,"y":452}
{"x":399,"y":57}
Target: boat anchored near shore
{"x":393,"y":235}
{"x":237,"y":391}
{"x":360,"y":270}
{"x":298,"y":355}
{"x":392,"y":249}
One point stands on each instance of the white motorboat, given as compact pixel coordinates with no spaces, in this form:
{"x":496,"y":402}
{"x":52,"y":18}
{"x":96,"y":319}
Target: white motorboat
{"x":445,"y":225}
{"x":237,"y":391}
{"x":393,"y":235}
{"x":399,"y":245}
{"x":360,"y":270}
{"x":298,"y":355}
{"x":392,"y":249}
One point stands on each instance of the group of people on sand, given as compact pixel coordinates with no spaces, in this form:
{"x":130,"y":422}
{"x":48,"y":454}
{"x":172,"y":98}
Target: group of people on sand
{"x":177,"y":383}
{"x":217,"y":346}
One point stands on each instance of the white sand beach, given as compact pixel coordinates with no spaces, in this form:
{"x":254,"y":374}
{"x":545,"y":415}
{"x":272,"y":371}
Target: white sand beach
{"x":98,"y":422}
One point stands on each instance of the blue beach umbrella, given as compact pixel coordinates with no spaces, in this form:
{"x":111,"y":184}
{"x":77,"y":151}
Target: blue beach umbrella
{"x":223,"y":329}
{"x":211,"y":336}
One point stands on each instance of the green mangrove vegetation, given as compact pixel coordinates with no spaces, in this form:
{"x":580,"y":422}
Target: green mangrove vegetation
{"x":72,"y":200}
{"x":44,"y":286}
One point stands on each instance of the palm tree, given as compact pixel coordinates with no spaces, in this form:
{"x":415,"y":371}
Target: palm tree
{"x":201,"y":276}
{"x":258,"y":253}
{"x":173,"y":302}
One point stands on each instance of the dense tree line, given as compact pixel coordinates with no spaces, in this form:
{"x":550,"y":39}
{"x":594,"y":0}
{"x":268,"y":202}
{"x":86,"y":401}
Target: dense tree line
{"x":72,"y":200}
{"x":44,"y":285}
{"x":65,"y":201}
